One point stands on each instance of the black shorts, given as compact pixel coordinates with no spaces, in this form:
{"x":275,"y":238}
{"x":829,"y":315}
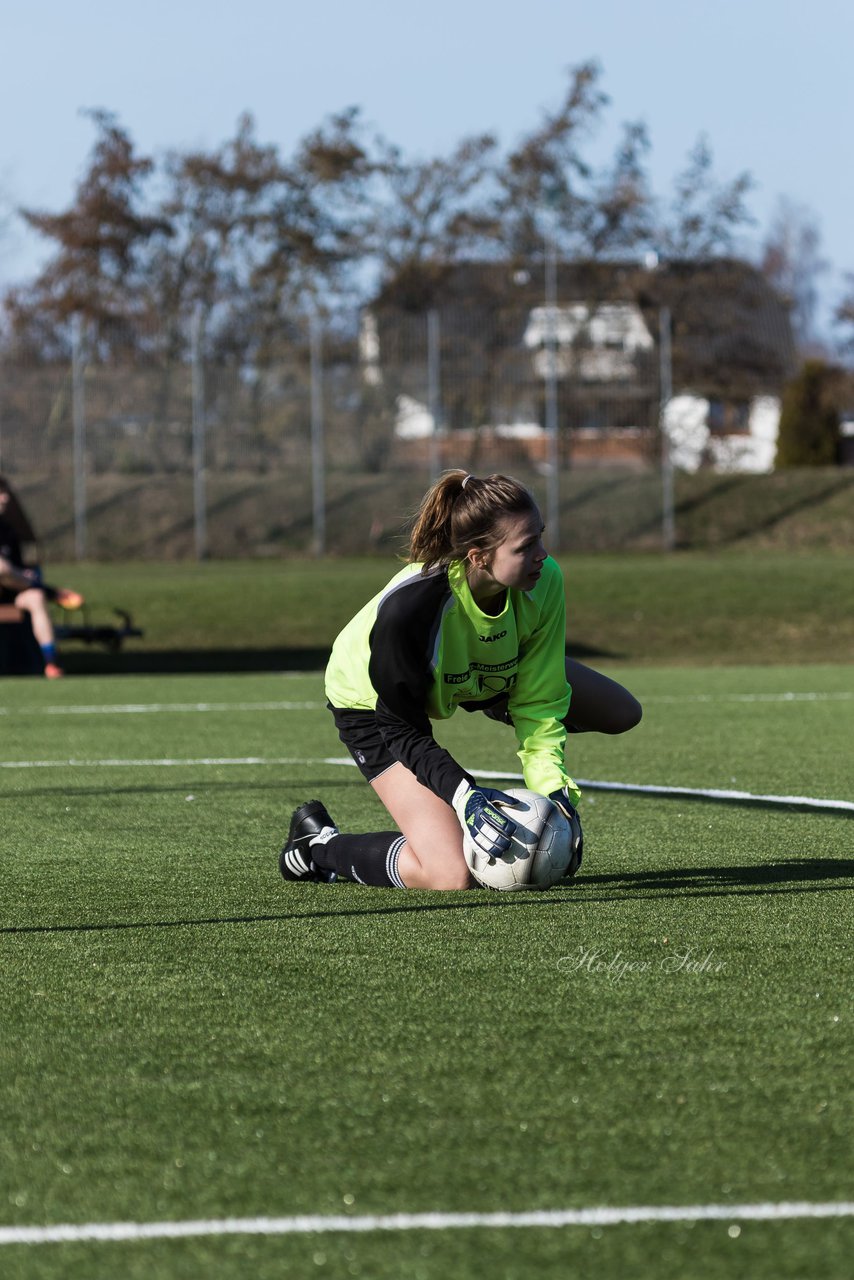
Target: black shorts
{"x":360,"y":733}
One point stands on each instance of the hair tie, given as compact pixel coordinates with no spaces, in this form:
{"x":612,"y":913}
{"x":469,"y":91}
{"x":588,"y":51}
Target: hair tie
{"x":466,"y":480}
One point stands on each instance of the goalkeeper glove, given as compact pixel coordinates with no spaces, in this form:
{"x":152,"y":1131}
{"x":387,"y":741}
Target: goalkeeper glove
{"x":560,"y":799}
{"x":480,"y":817}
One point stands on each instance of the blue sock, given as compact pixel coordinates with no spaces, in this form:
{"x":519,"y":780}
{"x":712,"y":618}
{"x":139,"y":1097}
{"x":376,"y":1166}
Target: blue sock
{"x":48,"y":653}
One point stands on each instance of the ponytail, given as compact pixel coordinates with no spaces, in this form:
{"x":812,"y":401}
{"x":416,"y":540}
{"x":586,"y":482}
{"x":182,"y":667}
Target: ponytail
{"x":461,"y":511}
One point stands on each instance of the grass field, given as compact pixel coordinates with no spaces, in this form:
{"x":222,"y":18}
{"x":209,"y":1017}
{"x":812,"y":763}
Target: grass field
{"x":186,"y":1037}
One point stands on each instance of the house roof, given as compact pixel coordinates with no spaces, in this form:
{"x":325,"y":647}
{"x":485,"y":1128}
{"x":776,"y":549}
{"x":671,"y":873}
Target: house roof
{"x":731,"y":333}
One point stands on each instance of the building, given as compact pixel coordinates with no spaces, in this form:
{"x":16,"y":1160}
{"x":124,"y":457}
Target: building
{"x":475,"y":350}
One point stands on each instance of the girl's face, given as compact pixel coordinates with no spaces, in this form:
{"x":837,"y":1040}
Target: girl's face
{"x":517,"y":560}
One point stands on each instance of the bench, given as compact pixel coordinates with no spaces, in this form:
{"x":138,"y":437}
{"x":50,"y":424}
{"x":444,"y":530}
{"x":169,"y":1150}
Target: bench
{"x":19,"y":652}
{"x":21,"y":655}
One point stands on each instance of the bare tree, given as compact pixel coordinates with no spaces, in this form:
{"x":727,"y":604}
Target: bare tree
{"x":844,"y":316}
{"x":430,"y":211}
{"x":214,"y":204}
{"x":99,"y":242}
{"x":318,"y":222}
{"x":544,"y":182}
{"x":704,"y":214}
{"x":256,"y":238}
{"x":621,"y":213}
{"x":6,"y":215}
{"x":792,"y":261}
{"x":480,"y":204}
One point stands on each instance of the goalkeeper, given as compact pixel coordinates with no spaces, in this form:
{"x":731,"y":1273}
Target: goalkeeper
{"x":476,"y":620}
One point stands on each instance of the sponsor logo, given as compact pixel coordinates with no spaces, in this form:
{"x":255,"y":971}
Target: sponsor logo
{"x":499,"y":635}
{"x":487,"y":672}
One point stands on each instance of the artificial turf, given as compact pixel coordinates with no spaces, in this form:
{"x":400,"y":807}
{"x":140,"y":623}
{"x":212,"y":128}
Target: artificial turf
{"x":186,"y":1036}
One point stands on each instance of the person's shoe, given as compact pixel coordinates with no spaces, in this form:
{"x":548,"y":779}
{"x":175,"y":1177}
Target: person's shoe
{"x":68,"y":599}
{"x":309,"y":822}
{"x":53,"y":671}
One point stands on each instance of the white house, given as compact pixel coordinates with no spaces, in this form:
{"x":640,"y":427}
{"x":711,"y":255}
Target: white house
{"x":597,"y":343}
{"x":689,"y":423}
{"x":503,"y":348}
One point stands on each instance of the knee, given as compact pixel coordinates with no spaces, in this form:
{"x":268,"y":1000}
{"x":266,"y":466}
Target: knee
{"x":631,"y":714}
{"x":613,"y":718}
{"x":625,"y":717}
{"x":30,"y":599}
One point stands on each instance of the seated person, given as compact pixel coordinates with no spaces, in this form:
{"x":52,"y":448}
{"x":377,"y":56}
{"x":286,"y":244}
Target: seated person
{"x":24,"y":588}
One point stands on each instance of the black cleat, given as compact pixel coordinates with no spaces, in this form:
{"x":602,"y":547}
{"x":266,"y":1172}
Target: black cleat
{"x":295,"y":860}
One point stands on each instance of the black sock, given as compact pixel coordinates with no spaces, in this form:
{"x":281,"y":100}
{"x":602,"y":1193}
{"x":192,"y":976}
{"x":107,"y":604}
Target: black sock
{"x":369,"y":859}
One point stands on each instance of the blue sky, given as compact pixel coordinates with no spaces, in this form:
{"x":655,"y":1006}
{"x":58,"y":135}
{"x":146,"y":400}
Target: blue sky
{"x":769,"y":82}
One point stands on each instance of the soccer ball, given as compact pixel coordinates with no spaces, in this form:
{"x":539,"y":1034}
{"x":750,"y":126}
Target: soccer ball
{"x":542,"y":850}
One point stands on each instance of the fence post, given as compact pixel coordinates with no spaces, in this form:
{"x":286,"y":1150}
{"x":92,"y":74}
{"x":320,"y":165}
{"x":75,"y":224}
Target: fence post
{"x":318,"y":480}
{"x":553,"y":454}
{"x":200,"y":521}
{"x":434,"y":391}
{"x":78,"y":428}
{"x":665,"y":351}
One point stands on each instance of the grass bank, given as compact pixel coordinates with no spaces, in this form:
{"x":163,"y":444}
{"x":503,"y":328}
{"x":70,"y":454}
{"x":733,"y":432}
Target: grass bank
{"x":688,"y":608}
{"x":252,"y":515}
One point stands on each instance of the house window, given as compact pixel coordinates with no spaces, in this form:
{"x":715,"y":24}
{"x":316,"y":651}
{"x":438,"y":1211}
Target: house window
{"x":728,"y":417}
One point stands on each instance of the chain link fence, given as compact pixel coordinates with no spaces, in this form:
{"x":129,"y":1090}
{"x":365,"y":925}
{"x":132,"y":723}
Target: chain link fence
{"x":327,"y":445}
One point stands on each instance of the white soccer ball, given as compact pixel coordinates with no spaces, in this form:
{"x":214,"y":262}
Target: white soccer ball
{"x":541,"y":850}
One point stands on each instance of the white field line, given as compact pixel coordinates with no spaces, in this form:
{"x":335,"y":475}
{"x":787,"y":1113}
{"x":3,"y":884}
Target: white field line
{"x":166,"y":762}
{"x":842,"y":696}
{"x":587,"y":784}
{"x":597,"y":1217}
{"x":689,"y":793}
{"x":159,"y":708}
